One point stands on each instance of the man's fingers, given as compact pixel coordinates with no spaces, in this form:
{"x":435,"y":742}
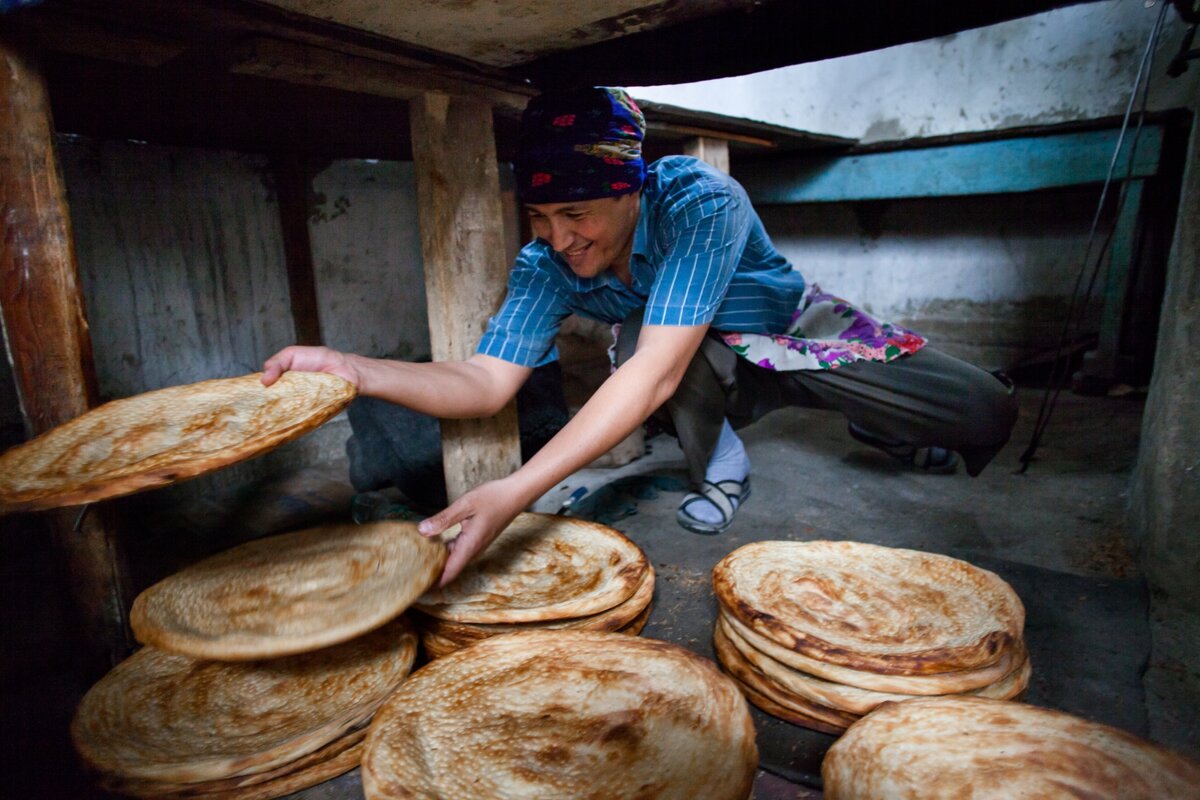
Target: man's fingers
{"x":442,"y":520}
{"x":460,"y":554}
{"x":275,"y":366}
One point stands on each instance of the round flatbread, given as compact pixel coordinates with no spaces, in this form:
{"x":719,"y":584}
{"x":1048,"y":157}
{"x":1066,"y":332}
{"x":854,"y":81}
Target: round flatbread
{"x":165,"y":436}
{"x":542,"y":567}
{"x":749,"y":676}
{"x":613,"y":619}
{"x":339,"y":756}
{"x":290,"y":593}
{"x":938,"y":684}
{"x":164,"y":717}
{"x":871,"y":608}
{"x":852,"y":699}
{"x":954,"y":747}
{"x":565,"y":714}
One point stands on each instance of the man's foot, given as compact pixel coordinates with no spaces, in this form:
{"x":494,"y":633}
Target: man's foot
{"x":934,"y":460}
{"x":726,"y":486}
{"x":711,"y":509}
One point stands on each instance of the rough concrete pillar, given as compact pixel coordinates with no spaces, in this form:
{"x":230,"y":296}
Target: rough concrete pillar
{"x":1165,"y":495}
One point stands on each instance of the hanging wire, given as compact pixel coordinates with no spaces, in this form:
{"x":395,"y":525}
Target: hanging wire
{"x":1062,"y":365}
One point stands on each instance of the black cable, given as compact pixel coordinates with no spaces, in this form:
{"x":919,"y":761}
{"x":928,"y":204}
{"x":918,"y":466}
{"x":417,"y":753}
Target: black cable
{"x":1061,"y":365}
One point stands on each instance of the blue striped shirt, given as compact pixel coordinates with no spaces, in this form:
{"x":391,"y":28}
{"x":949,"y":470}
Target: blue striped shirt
{"x":700,"y":255}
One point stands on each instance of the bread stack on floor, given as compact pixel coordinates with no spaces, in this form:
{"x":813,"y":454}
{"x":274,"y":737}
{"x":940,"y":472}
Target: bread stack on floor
{"x":542,"y":571}
{"x":566,"y":714}
{"x":821,"y":633}
{"x":263,"y":665}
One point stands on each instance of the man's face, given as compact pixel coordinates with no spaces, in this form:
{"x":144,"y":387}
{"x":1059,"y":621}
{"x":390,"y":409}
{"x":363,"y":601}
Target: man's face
{"x":590,"y":235}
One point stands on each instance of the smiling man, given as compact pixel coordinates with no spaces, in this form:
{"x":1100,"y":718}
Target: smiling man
{"x":714,"y":329}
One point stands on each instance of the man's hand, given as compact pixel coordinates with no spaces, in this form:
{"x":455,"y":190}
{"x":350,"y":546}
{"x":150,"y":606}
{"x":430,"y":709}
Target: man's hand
{"x":311,"y":359}
{"x":484,"y":512}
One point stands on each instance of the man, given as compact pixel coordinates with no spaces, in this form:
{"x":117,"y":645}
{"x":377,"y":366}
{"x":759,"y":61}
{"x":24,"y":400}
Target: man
{"x":717,"y":329}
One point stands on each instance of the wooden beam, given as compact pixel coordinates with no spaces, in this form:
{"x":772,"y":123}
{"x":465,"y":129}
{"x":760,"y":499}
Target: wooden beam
{"x":462,"y":242}
{"x":292,"y":179}
{"x":315,"y":66}
{"x":1023,"y":164}
{"x":671,"y":128}
{"x":49,"y":346}
{"x":710,"y":151}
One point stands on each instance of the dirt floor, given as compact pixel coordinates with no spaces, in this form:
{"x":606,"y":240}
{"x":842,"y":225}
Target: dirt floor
{"x":1102,"y":647}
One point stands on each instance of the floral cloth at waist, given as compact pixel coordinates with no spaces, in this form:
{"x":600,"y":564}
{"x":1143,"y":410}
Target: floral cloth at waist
{"x":825,"y":333}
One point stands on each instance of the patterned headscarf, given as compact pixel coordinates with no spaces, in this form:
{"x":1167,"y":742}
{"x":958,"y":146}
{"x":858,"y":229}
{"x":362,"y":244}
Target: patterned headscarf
{"x":580,"y":145}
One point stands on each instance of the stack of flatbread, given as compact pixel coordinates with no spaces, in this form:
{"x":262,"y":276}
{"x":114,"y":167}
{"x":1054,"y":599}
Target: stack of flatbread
{"x":821,"y":633}
{"x":949,"y":747}
{"x":263,"y":667}
{"x":564,"y":714}
{"x":161,"y":725}
{"x":542,"y":571}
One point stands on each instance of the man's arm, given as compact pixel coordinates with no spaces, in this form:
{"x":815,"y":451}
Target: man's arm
{"x":622,"y":403}
{"x":477,"y":387}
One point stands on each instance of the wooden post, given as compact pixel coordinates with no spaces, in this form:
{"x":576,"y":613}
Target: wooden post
{"x":711,"y":151}
{"x":292,"y":177}
{"x":462,"y":242}
{"x":49,"y":346}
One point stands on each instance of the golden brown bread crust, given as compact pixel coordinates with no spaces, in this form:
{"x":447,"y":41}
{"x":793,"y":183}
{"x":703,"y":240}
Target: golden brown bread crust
{"x":437,"y":644}
{"x":542,"y":567}
{"x":613,"y":619}
{"x":565,"y":714}
{"x":871,"y":608}
{"x":165,"y":436}
{"x":933,"y":684}
{"x":153,"y":716}
{"x":852,"y":699}
{"x":290,"y":593}
{"x":748,"y":676}
{"x":339,"y":756}
{"x":935,"y":748}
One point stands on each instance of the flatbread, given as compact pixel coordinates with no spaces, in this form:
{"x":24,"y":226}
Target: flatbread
{"x":613,"y":619}
{"x":939,"y":684}
{"x":564,"y":714}
{"x":871,"y":608}
{"x":953,"y":747}
{"x":852,"y":699}
{"x":437,"y":645}
{"x":749,"y":676}
{"x":339,"y":756}
{"x":165,"y":436}
{"x":164,"y":717}
{"x":291,"y":593}
{"x":542,"y":567}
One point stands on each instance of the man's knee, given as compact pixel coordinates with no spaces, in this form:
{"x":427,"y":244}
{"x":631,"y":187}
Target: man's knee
{"x":990,"y":408}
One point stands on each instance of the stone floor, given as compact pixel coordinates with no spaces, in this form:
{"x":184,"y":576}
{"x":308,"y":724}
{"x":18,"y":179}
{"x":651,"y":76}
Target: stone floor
{"x":1102,"y":647}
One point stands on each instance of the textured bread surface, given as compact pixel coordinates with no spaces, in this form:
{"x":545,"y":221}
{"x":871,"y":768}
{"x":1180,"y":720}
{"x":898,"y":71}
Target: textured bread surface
{"x":164,"y":717}
{"x":613,"y":619}
{"x":437,"y":645}
{"x":871,"y":608}
{"x":952,"y":747}
{"x":339,"y":756}
{"x":542,"y":567}
{"x":931,"y":684}
{"x":290,"y":593}
{"x":165,"y":436}
{"x":572,"y":715}
{"x":749,"y":676}
{"x":852,"y":699}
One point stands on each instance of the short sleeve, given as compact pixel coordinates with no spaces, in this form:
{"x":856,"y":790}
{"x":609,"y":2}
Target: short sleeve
{"x":522,"y":331}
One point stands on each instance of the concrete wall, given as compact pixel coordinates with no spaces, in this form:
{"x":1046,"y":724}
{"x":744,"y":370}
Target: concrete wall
{"x":1070,"y":64}
{"x":987,"y":279}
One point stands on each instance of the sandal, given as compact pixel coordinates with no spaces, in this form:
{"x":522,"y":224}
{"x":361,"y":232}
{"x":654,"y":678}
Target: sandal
{"x":934,"y":460}
{"x":726,"y":496}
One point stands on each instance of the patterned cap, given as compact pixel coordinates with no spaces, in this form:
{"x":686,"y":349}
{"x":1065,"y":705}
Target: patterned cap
{"x":580,"y":145}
